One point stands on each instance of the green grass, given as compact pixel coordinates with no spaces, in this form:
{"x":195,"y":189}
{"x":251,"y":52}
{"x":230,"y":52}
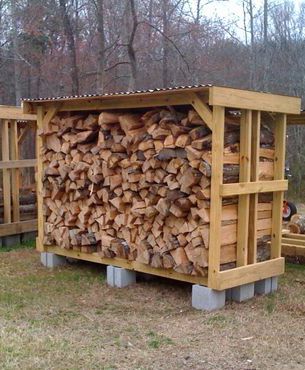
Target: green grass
{"x":156,"y":341}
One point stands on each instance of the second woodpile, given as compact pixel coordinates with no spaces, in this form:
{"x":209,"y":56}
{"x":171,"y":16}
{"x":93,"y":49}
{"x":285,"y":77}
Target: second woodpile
{"x":136,"y":185}
{"x":296,"y":225}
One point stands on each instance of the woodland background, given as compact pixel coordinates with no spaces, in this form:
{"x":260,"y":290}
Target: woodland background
{"x":64,"y":47}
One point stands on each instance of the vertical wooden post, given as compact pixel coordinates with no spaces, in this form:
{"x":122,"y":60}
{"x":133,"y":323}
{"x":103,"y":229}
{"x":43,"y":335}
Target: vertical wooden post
{"x":216,"y":199}
{"x":7,"y":218}
{"x":15,"y":171}
{"x":252,"y":242}
{"x":244,"y":176}
{"x":279,"y":167}
{"x":39,"y":173}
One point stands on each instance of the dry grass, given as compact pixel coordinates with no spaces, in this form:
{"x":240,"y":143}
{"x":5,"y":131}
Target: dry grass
{"x":68,"y":318}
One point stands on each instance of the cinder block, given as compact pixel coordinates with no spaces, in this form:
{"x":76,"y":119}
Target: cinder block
{"x":123,"y":277}
{"x":263,"y":286}
{"x":274,"y":283}
{"x":52,"y":260}
{"x":11,"y":240}
{"x":32,"y":235}
{"x":207,"y":299}
{"x":229,"y":294}
{"x":243,"y":292}
{"x":110,"y":275}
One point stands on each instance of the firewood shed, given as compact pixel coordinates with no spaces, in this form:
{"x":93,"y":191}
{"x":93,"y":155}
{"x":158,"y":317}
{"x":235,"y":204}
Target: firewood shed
{"x":185,"y":183}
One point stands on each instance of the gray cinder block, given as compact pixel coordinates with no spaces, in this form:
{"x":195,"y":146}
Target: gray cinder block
{"x":263,"y":286}
{"x":52,"y":260}
{"x":110,"y":275}
{"x":31,"y":235}
{"x":204,"y":298}
{"x":123,"y":277}
{"x":274,"y":283}
{"x":243,"y":292}
{"x":11,"y":240}
{"x":120,"y":277}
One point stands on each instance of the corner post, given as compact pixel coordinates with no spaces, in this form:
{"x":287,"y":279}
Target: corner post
{"x":39,"y":174}
{"x":216,"y":199}
{"x":279,"y":167}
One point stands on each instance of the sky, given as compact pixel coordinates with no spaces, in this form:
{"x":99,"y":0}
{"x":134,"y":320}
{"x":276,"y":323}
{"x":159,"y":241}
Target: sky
{"x":232,"y":10}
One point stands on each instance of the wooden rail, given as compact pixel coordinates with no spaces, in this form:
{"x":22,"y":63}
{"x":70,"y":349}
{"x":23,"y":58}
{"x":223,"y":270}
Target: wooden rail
{"x":11,"y":138}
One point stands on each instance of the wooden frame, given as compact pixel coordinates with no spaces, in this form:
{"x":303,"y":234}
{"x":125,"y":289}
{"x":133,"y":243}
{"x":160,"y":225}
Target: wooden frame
{"x":210,"y":102}
{"x":10,"y":165}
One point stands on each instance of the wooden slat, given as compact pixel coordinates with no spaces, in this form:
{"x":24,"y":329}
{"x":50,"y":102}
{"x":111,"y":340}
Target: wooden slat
{"x":242,"y":99}
{"x":293,"y":241}
{"x":227,"y":190}
{"x":249,"y":274}
{"x":39,"y":146}
{"x":202,"y":109}
{"x":6,"y":175}
{"x":131,"y":265}
{"x":244,"y":199}
{"x":21,"y":163}
{"x":15,"y":113}
{"x":15,"y":171}
{"x":255,"y":152}
{"x":18,"y":227}
{"x":216,"y":200}
{"x":294,"y":236}
{"x":293,"y":250}
{"x":278,"y":196}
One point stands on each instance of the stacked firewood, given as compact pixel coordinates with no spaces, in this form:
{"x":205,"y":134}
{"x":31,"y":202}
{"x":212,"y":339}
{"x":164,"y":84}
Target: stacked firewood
{"x":136,"y":185}
{"x":297,"y":224}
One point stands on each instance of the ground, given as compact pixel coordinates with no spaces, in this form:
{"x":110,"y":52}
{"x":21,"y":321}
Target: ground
{"x":68,"y":318}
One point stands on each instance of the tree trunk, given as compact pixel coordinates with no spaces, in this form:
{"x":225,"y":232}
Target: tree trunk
{"x":17,"y":67}
{"x":68,"y":30}
{"x":100,"y":78}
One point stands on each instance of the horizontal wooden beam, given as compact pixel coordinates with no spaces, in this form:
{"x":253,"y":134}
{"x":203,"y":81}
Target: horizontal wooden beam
{"x":130,"y":265}
{"x":244,"y":99}
{"x":15,"y":113}
{"x":294,"y":236}
{"x":20,"y":163}
{"x":18,"y":227}
{"x":249,"y":274}
{"x":293,"y":250}
{"x":227,"y":190}
{"x":293,"y":241}
{"x":113,"y":102}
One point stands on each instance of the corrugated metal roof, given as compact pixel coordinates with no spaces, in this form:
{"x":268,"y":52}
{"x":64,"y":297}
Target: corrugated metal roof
{"x":116,"y":93}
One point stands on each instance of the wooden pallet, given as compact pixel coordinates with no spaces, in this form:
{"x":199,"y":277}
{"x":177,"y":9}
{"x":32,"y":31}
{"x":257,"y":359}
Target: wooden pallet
{"x":293,"y":245}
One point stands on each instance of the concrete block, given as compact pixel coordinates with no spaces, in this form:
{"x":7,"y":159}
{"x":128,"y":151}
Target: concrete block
{"x":52,"y":260}
{"x":11,"y":240}
{"x":274,"y":284}
{"x":243,"y":292}
{"x":32,"y":235}
{"x":110,"y":275}
{"x":263,"y":286}
{"x":229,"y":294}
{"x":123,"y":277}
{"x":207,"y":299}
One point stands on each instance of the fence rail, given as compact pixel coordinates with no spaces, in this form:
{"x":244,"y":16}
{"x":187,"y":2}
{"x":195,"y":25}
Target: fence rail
{"x":14,"y":127}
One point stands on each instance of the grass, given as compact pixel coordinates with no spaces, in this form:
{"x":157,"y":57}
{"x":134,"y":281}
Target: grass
{"x":68,"y":318}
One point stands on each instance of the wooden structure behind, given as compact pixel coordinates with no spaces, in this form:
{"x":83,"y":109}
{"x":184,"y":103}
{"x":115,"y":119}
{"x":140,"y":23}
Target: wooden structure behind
{"x":11,"y":139}
{"x":212,"y":104}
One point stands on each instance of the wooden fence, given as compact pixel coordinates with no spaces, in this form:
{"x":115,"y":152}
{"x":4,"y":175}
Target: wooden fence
{"x":14,"y":127}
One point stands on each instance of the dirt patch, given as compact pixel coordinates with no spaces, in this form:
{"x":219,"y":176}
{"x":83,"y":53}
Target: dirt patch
{"x":68,"y":318}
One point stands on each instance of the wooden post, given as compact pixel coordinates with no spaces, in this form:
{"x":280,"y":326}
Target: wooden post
{"x":15,"y":171}
{"x":252,"y":241}
{"x":244,"y":176}
{"x":279,"y":167}
{"x":216,"y":199}
{"x":39,"y":173}
{"x":6,"y":172}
